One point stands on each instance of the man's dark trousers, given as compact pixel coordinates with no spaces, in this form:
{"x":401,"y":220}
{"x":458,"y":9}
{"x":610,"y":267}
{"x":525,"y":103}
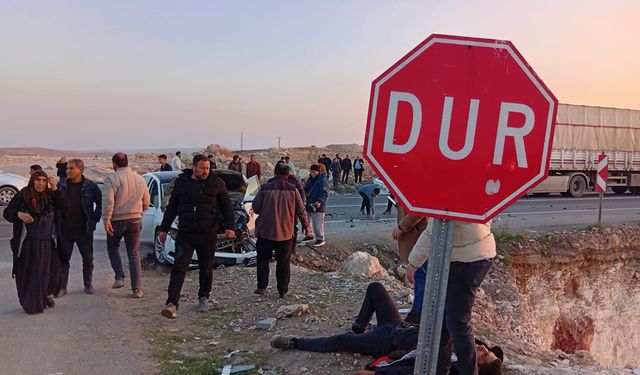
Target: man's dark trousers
{"x":365,"y":203}
{"x":84,"y":241}
{"x":265,"y":249}
{"x":345,"y":175}
{"x":377,"y":342}
{"x":204,"y":244}
{"x":464,"y":281}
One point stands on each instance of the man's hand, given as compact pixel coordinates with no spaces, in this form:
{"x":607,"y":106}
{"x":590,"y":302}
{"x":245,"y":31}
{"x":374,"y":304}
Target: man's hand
{"x":409,"y":272}
{"x":316,"y":205}
{"x":364,"y":372}
{"x":396,"y":233}
{"x":25,"y":217}
{"x":230,"y":233}
{"x":108,"y":228}
{"x":162,"y":236}
{"x":307,"y":232}
{"x":53,"y":183}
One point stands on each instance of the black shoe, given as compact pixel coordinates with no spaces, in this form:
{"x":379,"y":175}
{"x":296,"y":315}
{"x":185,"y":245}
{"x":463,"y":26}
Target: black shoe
{"x":412,"y":317}
{"x":282,"y":294}
{"x":260,"y":291}
{"x":357,"y":328}
{"x":49,"y":302}
{"x":283,"y":342}
{"x":307,"y":238}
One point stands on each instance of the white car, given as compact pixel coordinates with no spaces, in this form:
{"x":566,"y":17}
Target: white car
{"x":238,"y":251}
{"x":10,"y":185}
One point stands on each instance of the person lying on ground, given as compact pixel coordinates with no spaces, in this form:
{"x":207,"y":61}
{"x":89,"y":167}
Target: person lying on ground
{"x":390,"y":335}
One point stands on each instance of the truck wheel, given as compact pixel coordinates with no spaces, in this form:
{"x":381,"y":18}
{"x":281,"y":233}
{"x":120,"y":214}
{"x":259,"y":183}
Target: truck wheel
{"x":619,"y":189}
{"x":577,"y":186}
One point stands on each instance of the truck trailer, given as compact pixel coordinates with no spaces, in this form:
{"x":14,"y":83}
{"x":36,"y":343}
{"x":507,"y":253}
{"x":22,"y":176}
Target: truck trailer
{"x":581,"y":134}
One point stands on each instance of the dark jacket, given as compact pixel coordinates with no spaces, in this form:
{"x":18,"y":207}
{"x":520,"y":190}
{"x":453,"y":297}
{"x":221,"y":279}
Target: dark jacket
{"x":166,"y":168}
{"x":293,"y":180}
{"x":326,"y":161}
{"x":278,"y":203}
{"x":336,"y":166}
{"x":346,"y":164}
{"x":235,"y":166}
{"x":316,"y":190}
{"x":202,"y":215}
{"x":254,"y":169}
{"x":91,"y":196}
{"x":361,"y":163}
{"x":61,"y":170}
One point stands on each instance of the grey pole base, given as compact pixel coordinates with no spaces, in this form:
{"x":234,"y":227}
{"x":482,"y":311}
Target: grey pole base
{"x":435,"y":295}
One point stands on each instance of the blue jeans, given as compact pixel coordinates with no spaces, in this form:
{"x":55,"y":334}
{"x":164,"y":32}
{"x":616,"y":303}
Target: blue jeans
{"x":420,"y":278}
{"x":317,"y":222}
{"x":130,"y":231}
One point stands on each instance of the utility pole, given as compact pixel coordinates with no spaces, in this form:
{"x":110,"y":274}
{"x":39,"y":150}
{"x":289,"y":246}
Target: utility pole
{"x":279,"y":138}
{"x":241,"y":141}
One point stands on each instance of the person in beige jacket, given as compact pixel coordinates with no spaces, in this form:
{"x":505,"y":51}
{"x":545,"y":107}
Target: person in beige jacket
{"x":124,"y":198}
{"x":473,"y":248}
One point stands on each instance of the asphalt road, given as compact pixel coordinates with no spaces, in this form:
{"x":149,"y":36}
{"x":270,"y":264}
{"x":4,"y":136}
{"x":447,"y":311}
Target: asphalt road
{"x":528,"y":213}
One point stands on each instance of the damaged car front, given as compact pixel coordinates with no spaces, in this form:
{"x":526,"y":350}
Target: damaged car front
{"x":238,"y":250}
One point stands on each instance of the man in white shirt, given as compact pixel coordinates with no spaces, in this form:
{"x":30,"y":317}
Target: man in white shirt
{"x":176,"y":163}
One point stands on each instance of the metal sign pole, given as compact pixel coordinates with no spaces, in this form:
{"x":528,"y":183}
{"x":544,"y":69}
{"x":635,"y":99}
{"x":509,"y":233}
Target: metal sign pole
{"x":600,"y":210}
{"x":435,"y":295}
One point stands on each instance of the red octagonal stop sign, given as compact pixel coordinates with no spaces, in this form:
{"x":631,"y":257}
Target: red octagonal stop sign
{"x":460,"y":127}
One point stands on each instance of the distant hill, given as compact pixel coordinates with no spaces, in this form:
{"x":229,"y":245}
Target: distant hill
{"x":45,"y":152}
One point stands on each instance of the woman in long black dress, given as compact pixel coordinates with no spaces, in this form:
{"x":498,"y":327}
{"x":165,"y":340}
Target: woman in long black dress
{"x":32,"y":213}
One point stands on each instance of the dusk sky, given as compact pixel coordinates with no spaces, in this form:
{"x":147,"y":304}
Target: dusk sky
{"x":149,"y":74}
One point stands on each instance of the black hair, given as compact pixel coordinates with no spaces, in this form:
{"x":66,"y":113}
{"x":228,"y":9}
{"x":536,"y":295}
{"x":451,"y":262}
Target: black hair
{"x":282,"y":169}
{"x":235,"y":157}
{"x":491,"y":368}
{"x":198,"y":158}
{"x":120,"y":159}
{"x":178,"y":153}
{"x":36,"y":167}
{"x":162,"y":156}
{"x":376,"y":191}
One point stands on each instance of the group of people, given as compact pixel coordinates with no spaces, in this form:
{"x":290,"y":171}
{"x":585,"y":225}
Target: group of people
{"x":50,"y":217}
{"x":339,"y":168}
{"x":473,"y":249}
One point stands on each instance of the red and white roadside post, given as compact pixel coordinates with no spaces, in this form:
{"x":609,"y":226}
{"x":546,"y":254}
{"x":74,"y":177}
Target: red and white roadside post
{"x":601,"y":181}
{"x":458,"y":129}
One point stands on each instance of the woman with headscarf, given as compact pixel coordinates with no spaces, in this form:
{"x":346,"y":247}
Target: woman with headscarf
{"x":32,"y":213}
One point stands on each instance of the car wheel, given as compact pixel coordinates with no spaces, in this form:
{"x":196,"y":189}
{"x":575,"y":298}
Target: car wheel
{"x":158,"y":249}
{"x":6,"y":194}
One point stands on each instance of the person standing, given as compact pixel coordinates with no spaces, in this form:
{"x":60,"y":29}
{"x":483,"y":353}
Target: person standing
{"x":326,"y":161}
{"x":235,"y":164}
{"x":336,"y":169}
{"x":176,"y":162}
{"x":368,"y":193}
{"x":212,"y":162}
{"x":277,"y":204}
{"x":346,"y":169}
{"x":164,"y":166}
{"x":292,"y":168}
{"x":358,"y":168}
{"x":254,"y":168}
{"x":472,"y":251}
{"x":407,"y":232}
{"x":32,"y":213}
{"x":61,"y":168}
{"x":125,"y":197}
{"x":82,"y":212}
{"x":198,"y":198}
{"x":316,"y":190}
